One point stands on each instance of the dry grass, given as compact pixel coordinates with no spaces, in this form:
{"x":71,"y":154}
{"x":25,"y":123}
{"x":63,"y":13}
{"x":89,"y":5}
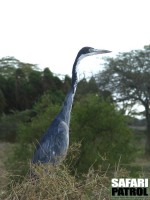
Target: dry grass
{"x":58,"y":183}
{"x":51,"y":183}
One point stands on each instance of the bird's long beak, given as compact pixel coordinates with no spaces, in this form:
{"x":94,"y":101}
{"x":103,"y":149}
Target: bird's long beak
{"x":100,"y":51}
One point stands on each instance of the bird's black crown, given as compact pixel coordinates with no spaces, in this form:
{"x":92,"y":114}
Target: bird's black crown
{"x":85,"y":50}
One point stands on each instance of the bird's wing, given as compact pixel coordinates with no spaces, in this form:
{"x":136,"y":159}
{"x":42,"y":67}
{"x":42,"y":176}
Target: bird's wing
{"x":53,"y":144}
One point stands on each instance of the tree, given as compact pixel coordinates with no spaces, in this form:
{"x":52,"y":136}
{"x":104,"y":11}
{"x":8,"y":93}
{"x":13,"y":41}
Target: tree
{"x":8,"y":66}
{"x":67,"y":84}
{"x":85,"y":87}
{"x":47,"y":79}
{"x":15,"y":85}
{"x":2,"y":102}
{"x":2,"y":96}
{"x":128,"y":78}
{"x":21,"y":84}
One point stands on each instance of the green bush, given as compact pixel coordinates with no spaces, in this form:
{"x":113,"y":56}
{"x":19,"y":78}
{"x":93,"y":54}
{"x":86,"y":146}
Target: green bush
{"x":9,"y":124}
{"x":103,"y":132}
{"x":28,"y":133}
{"x":45,"y":112}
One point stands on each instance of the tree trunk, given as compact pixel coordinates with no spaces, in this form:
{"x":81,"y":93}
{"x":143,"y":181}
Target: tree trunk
{"x":147,"y":145}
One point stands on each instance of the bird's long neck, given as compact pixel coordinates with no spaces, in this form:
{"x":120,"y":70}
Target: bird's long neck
{"x":67,"y":106}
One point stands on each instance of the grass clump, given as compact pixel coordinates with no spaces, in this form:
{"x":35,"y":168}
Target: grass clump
{"x":64,"y":182}
{"x":58,"y":183}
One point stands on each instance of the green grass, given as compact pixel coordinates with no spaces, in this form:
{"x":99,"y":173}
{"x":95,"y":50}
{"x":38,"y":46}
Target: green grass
{"x":5,"y":148}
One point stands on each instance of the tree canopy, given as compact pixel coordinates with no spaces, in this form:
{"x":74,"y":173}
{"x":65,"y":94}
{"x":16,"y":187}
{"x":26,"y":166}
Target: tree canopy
{"x":21,"y":84}
{"x":128,"y":78}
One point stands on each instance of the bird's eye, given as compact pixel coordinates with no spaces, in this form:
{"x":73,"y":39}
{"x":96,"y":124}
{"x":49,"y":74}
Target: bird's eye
{"x":91,"y":50}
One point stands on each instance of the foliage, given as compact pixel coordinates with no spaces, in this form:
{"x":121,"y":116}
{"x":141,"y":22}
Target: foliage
{"x":21,"y":84}
{"x":45,"y":113}
{"x":103,"y":132}
{"x":128,"y":77}
{"x":10,"y":123}
{"x":85,"y":87}
{"x":2,"y":102}
{"x":29,"y":132}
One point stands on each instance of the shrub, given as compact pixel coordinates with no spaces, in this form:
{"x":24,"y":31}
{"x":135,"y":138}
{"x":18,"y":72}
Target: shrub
{"x":10,"y":123}
{"x":103,"y":132}
{"x":28,"y":133}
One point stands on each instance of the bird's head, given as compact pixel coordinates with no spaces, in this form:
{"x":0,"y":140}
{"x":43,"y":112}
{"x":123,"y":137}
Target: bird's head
{"x":89,"y":51}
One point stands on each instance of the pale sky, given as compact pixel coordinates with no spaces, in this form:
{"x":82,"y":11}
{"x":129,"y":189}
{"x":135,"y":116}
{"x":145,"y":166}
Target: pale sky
{"x":50,"y":32}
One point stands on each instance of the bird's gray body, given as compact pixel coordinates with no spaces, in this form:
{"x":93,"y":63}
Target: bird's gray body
{"x":54,"y":144}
